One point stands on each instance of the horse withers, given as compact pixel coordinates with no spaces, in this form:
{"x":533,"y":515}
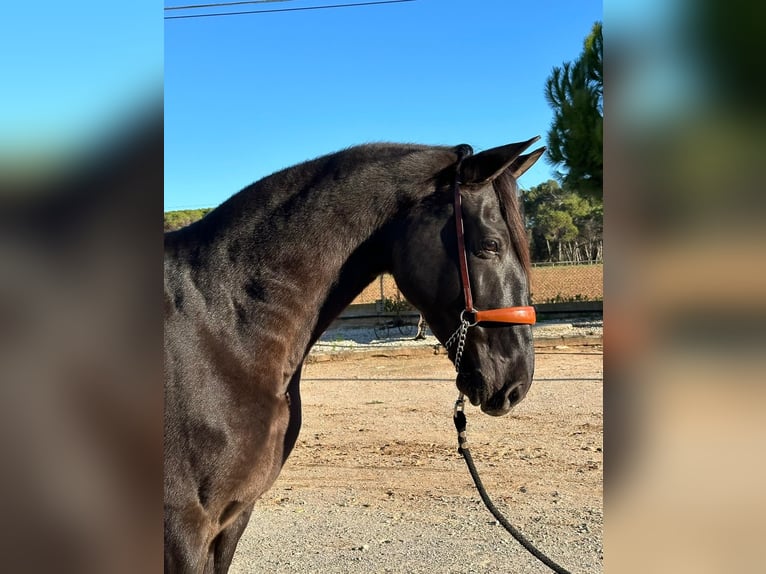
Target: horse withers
{"x":251,"y":286}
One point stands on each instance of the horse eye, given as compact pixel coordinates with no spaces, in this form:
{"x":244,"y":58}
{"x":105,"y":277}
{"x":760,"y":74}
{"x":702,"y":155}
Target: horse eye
{"x":490,"y":245}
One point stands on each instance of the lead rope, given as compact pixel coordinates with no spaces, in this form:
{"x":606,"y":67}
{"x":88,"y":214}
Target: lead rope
{"x":458,"y":417}
{"x":460,"y":425}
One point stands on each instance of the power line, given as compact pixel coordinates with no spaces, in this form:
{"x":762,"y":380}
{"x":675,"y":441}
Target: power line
{"x":194,"y":6}
{"x":285,"y":9}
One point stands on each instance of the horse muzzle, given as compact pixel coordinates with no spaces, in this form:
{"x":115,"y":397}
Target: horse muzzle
{"x":474,"y":386}
{"x":502,"y":402}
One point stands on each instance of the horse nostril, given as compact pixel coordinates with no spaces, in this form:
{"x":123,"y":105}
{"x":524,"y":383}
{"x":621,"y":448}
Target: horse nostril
{"x":515,"y":395}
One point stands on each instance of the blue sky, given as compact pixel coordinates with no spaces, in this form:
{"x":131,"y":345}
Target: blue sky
{"x":248,"y":95}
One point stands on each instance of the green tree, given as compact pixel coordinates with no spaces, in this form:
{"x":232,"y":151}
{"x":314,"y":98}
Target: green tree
{"x":564,"y":226}
{"x":178,"y":219}
{"x":575,"y":91}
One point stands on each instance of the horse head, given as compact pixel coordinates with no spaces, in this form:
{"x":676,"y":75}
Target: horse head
{"x":497,"y":361}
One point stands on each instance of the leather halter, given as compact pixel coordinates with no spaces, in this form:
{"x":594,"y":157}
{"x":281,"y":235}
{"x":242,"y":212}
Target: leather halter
{"x":524,"y":315}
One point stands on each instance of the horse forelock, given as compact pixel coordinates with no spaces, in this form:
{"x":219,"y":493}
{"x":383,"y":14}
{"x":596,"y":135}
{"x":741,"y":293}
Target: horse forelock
{"x":506,"y":190}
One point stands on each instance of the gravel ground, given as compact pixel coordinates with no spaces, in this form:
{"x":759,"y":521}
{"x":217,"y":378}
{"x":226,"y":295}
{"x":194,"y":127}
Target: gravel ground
{"x":375,"y":484}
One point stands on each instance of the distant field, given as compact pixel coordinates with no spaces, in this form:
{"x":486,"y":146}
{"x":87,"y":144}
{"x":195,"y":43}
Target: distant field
{"x":567,"y":282}
{"x":549,"y":283}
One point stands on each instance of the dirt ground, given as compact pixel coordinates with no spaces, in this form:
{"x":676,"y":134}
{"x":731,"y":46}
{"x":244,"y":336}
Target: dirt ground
{"x":375,"y":483}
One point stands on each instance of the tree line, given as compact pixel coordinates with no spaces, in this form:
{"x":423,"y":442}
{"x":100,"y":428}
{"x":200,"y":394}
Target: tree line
{"x":562,"y":224}
{"x":181,"y":218}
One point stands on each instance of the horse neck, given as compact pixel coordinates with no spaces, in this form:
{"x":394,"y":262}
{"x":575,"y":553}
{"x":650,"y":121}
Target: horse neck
{"x":292,"y":261}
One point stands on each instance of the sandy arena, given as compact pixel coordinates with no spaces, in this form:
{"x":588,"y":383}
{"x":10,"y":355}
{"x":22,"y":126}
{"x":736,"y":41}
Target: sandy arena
{"x":375,"y":484}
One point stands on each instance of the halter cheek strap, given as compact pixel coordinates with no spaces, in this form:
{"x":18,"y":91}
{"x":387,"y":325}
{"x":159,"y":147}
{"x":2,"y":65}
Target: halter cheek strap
{"x":461,"y":253}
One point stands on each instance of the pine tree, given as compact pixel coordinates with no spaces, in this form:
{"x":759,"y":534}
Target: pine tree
{"x":575,"y":91}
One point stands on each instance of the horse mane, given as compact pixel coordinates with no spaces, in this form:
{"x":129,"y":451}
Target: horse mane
{"x":506,"y":190}
{"x":376,"y":158}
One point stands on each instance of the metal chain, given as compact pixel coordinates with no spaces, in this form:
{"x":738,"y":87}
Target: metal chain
{"x":459,"y":336}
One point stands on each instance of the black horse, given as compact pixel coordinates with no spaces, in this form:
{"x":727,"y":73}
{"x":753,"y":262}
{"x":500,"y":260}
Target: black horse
{"x":251,"y":287}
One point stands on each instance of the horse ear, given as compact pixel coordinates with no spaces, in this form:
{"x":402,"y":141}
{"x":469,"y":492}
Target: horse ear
{"x":487,"y":165}
{"x":524,"y":162}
